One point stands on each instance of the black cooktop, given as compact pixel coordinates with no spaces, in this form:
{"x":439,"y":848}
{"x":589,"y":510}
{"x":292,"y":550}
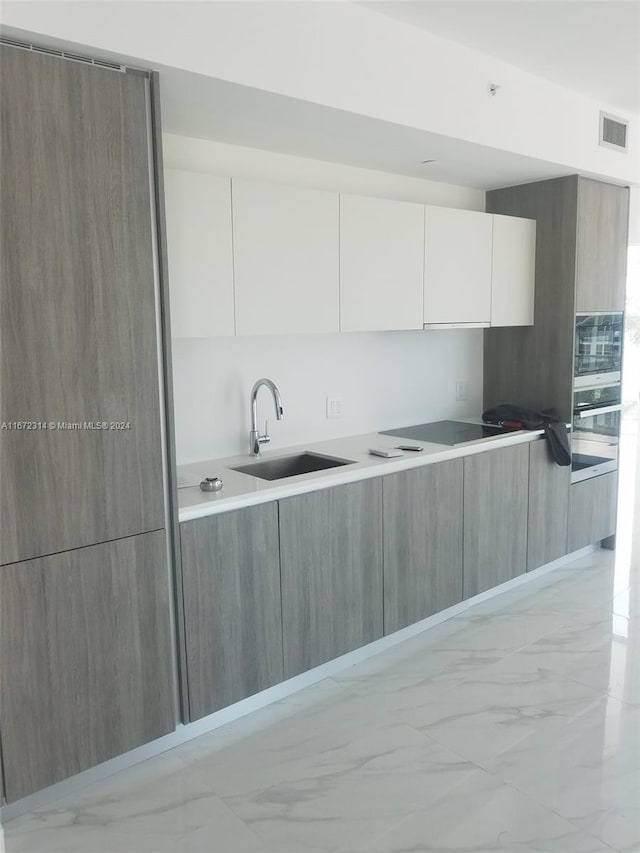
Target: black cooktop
{"x":446,"y":432}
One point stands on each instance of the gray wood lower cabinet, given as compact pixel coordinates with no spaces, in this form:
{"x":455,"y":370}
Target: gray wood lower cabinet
{"x":331,"y":568}
{"x":85,"y":659}
{"x":422,"y":542}
{"x":496,"y":486}
{"x":592,"y":510}
{"x":548,"y":507}
{"x":233,"y":621}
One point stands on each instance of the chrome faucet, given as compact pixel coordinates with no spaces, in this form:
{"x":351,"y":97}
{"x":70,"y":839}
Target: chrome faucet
{"x":255,"y":439}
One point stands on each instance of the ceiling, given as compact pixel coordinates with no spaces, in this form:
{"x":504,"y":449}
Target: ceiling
{"x":208,"y":108}
{"x":589,"y":46}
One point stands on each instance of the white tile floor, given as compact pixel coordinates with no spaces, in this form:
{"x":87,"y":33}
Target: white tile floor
{"x":514,"y":726}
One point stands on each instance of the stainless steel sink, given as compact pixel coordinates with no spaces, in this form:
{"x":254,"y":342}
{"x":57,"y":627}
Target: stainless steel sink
{"x":290,"y":466}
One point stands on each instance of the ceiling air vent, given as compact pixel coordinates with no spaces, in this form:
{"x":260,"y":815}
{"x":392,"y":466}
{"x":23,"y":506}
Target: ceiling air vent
{"x":613,"y":132}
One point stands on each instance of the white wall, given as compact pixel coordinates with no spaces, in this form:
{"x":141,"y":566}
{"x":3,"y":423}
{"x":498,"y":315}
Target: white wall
{"x":386,"y":379}
{"x":348,"y":57}
{"x":220,"y":158}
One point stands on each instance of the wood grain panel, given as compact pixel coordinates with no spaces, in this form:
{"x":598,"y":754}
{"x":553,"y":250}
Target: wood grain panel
{"x":533,"y":366}
{"x":592,"y":510}
{"x":603,"y":224}
{"x":331,"y":567}
{"x":495,"y":517}
{"x":548,"y":507}
{"x":77,"y":308}
{"x":85,"y":654}
{"x":422,"y":512}
{"x":233,"y":616}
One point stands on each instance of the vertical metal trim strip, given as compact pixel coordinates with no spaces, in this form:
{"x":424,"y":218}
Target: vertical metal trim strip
{"x":173,"y":530}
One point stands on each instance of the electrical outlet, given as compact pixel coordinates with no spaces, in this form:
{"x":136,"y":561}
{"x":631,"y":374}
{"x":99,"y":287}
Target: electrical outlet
{"x":462,"y":390}
{"x":335,"y":407}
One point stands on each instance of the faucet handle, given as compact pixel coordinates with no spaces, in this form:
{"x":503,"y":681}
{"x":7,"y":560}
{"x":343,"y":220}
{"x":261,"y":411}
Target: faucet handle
{"x":266,"y":438}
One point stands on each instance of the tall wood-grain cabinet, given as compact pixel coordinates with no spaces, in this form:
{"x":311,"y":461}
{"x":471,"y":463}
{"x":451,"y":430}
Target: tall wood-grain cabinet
{"x":581,"y":245}
{"x":85,"y":651}
{"x":582,"y":236}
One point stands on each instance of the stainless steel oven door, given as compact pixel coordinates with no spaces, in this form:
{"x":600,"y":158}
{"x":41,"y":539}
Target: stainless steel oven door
{"x":598,"y":348}
{"x":594,"y":441}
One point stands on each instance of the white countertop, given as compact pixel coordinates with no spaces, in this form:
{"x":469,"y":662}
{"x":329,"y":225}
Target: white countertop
{"x":242,"y":490}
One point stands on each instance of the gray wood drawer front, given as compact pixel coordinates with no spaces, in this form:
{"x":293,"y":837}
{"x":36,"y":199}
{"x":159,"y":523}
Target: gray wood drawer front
{"x":548,"y":507}
{"x":496,"y":486}
{"x":233,"y":621}
{"x":422,"y":542}
{"x":85,"y":659}
{"x":331,"y":565}
{"x":592,"y":510}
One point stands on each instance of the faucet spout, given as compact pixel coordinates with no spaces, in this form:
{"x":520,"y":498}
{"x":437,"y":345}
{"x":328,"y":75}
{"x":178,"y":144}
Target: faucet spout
{"x":255,"y":439}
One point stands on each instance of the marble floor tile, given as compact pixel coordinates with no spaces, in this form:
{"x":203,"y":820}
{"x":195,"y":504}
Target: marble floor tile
{"x":606,"y":661}
{"x":481,"y":815}
{"x":312,"y":699}
{"x":172,"y":815}
{"x":354,"y":794}
{"x":589,"y":776}
{"x":498,"y":633}
{"x":497,"y":708}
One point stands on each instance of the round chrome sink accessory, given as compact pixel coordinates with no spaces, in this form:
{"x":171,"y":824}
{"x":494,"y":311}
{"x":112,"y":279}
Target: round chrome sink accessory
{"x":211,"y":484}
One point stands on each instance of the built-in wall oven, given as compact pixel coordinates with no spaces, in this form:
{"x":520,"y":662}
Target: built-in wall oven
{"x":597,"y":395}
{"x":596,"y":430}
{"x":598,"y":349}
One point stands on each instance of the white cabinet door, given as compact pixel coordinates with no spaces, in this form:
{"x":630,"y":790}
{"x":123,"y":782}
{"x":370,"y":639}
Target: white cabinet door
{"x":381,"y":264}
{"x":285,"y":243}
{"x":457,"y":272}
{"x":198,"y":213}
{"x":514,"y":271}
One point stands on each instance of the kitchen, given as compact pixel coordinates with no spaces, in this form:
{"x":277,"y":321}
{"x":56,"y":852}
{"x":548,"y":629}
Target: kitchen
{"x":271,"y":255}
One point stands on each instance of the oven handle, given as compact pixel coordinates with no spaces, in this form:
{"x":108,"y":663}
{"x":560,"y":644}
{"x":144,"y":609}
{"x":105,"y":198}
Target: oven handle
{"x":600,"y":410}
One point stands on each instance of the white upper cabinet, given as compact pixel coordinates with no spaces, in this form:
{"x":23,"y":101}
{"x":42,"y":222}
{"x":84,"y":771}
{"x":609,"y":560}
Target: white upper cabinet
{"x":457,"y":271}
{"x":381,"y":264}
{"x":251,"y":258}
{"x":514,"y":269}
{"x":198,"y":214}
{"x":285,"y":242}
